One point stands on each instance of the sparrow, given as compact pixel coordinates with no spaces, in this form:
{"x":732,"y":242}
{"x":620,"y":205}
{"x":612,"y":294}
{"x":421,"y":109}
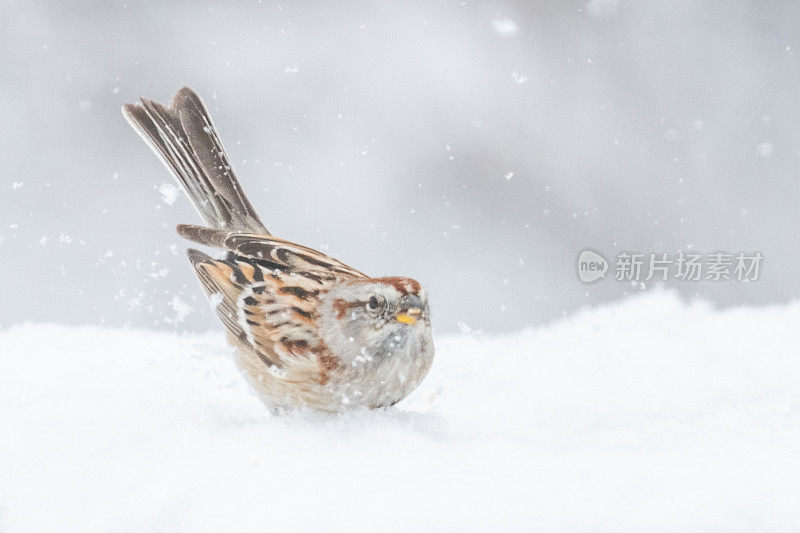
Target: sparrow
{"x":308,"y":330}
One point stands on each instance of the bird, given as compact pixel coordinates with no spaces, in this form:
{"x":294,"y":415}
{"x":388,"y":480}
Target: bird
{"x":308,"y":331}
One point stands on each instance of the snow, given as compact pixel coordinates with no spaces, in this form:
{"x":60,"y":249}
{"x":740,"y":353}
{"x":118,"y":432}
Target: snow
{"x":169,"y":193}
{"x":647,"y":415}
{"x":505,"y":27}
{"x":765,"y":149}
{"x":181,"y":308}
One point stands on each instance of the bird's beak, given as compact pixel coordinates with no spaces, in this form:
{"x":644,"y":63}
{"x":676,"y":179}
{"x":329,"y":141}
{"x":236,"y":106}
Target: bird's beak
{"x":409,"y":316}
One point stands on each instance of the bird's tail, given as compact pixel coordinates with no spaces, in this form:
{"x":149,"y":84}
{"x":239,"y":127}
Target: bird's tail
{"x":185,"y":140}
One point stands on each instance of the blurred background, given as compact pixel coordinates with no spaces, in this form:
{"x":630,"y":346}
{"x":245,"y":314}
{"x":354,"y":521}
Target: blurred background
{"x":476,"y":146}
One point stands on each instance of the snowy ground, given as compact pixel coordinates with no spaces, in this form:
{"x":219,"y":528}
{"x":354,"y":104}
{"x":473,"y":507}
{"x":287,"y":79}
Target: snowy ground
{"x":648,"y":415}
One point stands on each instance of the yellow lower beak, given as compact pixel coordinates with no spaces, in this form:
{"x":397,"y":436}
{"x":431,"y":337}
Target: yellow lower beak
{"x":410,"y":316}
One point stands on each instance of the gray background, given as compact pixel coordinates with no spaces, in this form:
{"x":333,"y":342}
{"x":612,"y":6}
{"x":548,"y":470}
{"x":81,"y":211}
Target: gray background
{"x":384,"y":132}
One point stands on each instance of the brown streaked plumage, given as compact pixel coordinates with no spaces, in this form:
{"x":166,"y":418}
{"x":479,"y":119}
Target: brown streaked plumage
{"x":309,"y":330}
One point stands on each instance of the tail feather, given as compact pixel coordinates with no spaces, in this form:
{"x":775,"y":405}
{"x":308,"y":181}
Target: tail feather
{"x":202,"y":235}
{"x":184,"y":138}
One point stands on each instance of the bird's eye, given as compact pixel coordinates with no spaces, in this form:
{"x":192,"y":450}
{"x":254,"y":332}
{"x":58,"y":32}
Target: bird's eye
{"x":375,"y":303}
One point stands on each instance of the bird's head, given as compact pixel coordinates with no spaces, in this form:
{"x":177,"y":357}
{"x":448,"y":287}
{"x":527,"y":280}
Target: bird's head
{"x":375,"y":317}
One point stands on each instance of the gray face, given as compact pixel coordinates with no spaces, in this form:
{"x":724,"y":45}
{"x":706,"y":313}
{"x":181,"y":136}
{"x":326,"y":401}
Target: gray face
{"x":374,"y":320}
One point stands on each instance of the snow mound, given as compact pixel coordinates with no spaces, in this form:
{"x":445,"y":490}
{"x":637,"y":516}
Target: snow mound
{"x":648,"y":415}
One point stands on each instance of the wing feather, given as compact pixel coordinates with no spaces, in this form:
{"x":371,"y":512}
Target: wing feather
{"x":272,"y":252}
{"x":271,"y":312}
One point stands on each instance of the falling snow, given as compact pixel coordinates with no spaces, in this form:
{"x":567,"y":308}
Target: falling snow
{"x":169,"y":193}
{"x":505,"y":27}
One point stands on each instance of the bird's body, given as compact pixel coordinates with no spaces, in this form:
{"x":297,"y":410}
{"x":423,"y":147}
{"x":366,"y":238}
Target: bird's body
{"x":309,"y":331}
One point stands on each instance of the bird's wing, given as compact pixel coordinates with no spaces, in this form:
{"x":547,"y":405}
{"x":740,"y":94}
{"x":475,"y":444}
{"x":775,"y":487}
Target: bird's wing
{"x":273,"y":313}
{"x":272,"y":252}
